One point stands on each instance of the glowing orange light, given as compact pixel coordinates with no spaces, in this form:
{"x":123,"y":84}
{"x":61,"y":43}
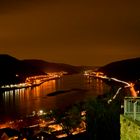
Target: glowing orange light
{"x":132,"y":90}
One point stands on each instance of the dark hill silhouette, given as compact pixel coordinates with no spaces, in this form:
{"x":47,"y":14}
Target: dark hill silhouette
{"x":13,"y":70}
{"x":126,"y":69}
{"x":54,"y":67}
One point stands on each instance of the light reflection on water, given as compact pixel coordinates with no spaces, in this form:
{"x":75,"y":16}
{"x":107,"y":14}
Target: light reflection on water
{"x":22,"y":102}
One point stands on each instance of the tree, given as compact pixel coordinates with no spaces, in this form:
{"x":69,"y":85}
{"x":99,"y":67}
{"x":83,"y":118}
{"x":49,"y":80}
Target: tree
{"x":103,"y":119}
{"x":69,"y":119}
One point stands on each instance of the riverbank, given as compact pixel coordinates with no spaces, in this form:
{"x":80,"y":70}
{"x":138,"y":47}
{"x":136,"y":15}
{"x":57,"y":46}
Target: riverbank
{"x":26,"y":84}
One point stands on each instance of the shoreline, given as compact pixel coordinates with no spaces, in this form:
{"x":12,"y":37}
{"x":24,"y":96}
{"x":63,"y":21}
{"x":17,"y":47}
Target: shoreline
{"x":26,"y":86}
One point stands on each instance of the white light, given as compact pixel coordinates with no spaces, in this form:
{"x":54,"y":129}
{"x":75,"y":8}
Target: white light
{"x":41,"y":112}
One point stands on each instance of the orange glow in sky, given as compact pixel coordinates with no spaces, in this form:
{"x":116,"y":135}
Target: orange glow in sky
{"x":74,"y":32}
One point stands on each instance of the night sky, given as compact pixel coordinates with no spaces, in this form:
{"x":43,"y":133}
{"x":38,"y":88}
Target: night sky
{"x":78,"y":32}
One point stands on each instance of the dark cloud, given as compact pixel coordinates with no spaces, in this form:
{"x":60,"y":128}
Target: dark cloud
{"x":76,"y":32}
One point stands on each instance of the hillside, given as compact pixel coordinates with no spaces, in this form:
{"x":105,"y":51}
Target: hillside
{"x":126,"y":69}
{"x":13,"y":70}
{"x":54,"y":67}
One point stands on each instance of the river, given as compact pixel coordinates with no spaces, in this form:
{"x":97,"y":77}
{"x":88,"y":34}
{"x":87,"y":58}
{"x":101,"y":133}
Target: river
{"x":21,"y":102}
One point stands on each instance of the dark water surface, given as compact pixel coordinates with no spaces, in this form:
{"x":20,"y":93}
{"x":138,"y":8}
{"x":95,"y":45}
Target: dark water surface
{"x":22,"y":102}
